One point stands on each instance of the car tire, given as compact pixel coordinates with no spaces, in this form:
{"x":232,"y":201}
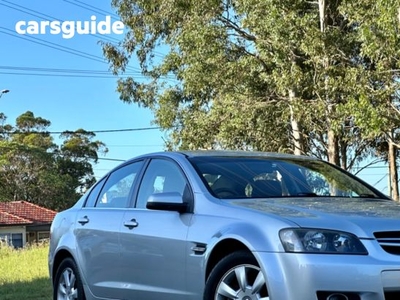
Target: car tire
{"x":68,"y":283}
{"x":236,"y":276}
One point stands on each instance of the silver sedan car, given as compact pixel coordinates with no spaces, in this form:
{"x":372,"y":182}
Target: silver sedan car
{"x":219,"y":225}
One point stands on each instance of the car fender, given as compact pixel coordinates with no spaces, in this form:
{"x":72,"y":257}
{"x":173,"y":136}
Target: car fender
{"x":63,"y":242}
{"x":251,"y":236}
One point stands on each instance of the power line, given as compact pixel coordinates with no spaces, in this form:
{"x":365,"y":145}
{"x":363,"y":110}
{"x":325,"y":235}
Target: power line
{"x":78,"y":76}
{"x":369,"y":175}
{"x":59,"y":47}
{"x":67,"y":50}
{"x":369,"y":167}
{"x":104,"y":13}
{"x":70,"y":73}
{"x":73,"y":132}
{"x":47,"y":17}
{"x":93,"y":9}
{"x":379,"y":181}
{"x":123,"y":130}
{"x":62,"y":70}
{"x":53,"y":45}
{"x":64,"y":75}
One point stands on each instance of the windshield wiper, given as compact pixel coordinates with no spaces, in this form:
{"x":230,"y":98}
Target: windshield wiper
{"x":305,"y":194}
{"x":367,"y":196}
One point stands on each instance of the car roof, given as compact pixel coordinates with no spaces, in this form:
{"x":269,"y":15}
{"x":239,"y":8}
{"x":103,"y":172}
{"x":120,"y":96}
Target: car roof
{"x":241,"y":153}
{"x":226,"y":153}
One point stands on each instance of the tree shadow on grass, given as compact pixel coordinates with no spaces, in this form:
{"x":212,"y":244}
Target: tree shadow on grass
{"x":38,"y":289}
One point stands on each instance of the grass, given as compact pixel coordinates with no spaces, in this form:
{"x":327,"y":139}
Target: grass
{"x":24,"y":274}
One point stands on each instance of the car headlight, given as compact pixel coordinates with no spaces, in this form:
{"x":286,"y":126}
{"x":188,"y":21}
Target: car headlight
{"x":301,"y":240}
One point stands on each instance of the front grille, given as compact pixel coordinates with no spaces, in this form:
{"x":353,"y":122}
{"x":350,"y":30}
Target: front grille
{"x":389,"y":241}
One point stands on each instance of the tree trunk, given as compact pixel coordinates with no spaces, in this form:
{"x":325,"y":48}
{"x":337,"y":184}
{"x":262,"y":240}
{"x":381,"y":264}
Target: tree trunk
{"x":393,"y":174}
{"x":333,"y":148}
{"x":297,"y":137}
{"x":343,"y":154}
{"x":322,"y":14}
{"x":333,"y":139}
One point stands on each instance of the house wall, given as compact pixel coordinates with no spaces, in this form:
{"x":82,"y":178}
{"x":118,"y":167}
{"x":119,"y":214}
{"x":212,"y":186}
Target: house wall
{"x":37,"y":233}
{"x":10,"y":230}
{"x":37,"y":236}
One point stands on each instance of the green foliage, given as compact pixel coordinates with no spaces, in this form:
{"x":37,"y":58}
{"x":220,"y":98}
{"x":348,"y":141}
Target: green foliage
{"x":239,"y":74}
{"x":33,"y":168}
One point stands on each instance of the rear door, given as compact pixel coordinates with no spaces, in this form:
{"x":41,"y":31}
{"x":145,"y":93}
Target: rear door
{"x":153,"y":243}
{"x":97,"y":231}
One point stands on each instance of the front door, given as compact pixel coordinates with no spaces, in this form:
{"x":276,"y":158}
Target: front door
{"x":153,"y":243}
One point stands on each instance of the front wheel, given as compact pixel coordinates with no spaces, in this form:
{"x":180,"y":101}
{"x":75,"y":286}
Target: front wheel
{"x":68,"y":283}
{"x":236,"y":276}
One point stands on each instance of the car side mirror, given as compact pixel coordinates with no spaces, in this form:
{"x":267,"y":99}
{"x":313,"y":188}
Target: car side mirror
{"x":171,"y":201}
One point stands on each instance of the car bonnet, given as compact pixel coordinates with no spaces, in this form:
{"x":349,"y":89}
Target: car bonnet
{"x":360,"y":216}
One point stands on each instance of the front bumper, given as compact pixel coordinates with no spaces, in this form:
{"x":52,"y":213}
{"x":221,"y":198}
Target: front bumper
{"x":293,"y":276}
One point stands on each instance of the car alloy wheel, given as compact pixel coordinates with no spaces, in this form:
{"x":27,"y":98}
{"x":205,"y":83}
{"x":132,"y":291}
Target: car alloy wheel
{"x":237,"y":276}
{"x":68,"y":284}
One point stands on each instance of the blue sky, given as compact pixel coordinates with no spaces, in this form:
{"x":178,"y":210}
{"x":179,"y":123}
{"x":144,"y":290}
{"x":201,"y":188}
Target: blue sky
{"x":69,"y":102}
{"x":72,"y":102}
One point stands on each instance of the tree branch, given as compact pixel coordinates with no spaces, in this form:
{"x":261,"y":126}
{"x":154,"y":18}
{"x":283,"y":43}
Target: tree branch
{"x":229,"y":24}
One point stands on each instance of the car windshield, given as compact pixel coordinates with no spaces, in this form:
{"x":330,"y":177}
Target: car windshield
{"x":261,"y":177}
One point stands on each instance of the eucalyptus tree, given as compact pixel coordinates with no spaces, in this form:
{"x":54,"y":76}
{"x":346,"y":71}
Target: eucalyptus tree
{"x":272,"y":75}
{"x":218,"y":85}
{"x":377,"y":107}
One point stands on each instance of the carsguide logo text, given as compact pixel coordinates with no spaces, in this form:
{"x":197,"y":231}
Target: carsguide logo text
{"x":68,"y":29}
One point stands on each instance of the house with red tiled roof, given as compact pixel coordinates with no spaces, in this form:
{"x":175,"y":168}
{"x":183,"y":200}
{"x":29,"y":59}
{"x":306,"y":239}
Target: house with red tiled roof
{"x":23,"y":222}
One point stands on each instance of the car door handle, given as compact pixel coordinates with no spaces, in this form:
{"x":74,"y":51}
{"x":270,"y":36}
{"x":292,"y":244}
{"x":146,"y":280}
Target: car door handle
{"x":83,"y":220}
{"x":131,"y":224}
